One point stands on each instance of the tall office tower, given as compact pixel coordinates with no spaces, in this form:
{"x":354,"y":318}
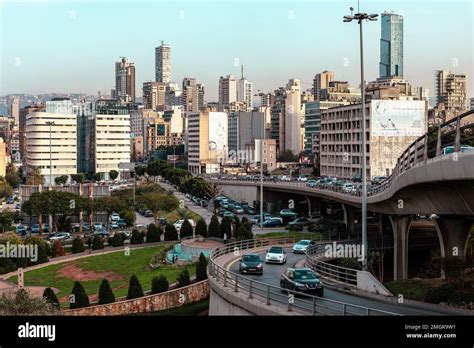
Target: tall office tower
{"x":244,"y":128}
{"x":85,"y":135}
{"x":321,"y":81}
{"x":55,"y":143}
{"x":111,"y":136}
{"x":22,"y":126}
{"x":267,"y":99}
{"x":201,"y":92}
{"x":190,"y":96}
{"x":154,"y":95}
{"x":391,"y":45}
{"x":206,"y":141}
{"x":227,"y":91}
{"x":163,"y":63}
{"x":125,"y":80}
{"x":471,"y":103}
{"x":15,"y":110}
{"x":244,"y":91}
{"x":293,"y":117}
{"x":451,"y":92}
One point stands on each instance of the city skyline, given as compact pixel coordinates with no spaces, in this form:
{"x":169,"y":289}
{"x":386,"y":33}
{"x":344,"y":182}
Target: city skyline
{"x":66,"y":63}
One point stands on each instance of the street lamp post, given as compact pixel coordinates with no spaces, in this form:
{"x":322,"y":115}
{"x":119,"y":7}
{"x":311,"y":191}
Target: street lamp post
{"x":50,"y":123}
{"x":261,"y":172}
{"x":360,"y":17}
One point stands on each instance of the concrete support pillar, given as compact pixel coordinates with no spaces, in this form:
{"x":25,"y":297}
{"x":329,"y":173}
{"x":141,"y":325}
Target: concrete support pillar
{"x":309,"y":205}
{"x":349,"y":217}
{"x":453,"y":233}
{"x":401,"y":228}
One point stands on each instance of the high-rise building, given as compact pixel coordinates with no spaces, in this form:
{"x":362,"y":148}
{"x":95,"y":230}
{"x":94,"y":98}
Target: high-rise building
{"x":163,"y":63}
{"x":321,"y":81}
{"x":111,"y":136}
{"x":227,"y":91}
{"x":293,"y":135}
{"x":15,"y":110}
{"x":451,"y":93}
{"x":173,"y":95}
{"x":391,"y":45}
{"x":54,"y":143}
{"x":244,"y":127}
{"x":125,"y":80}
{"x":471,"y":103}
{"x":154,"y":95}
{"x":244,"y":91}
{"x":192,"y":95}
{"x":206,"y":141}
{"x":22,"y":126}
{"x":85,"y":135}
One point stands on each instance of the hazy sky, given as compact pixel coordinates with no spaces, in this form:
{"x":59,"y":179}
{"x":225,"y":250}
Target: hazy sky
{"x":66,"y":46}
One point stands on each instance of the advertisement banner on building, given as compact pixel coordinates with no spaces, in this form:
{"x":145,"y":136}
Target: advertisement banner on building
{"x":393,"y":118}
{"x":217,"y":133}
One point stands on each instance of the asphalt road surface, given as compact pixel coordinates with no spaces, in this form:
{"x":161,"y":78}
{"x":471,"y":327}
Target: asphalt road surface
{"x":272,"y":272}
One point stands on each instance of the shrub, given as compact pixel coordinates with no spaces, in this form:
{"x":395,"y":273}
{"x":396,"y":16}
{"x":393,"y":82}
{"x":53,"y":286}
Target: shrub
{"x":225,"y":228}
{"x":159,"y":284}
{"x":58,"y":249}
{"x":244,"y":232}
{"x":77,"y":245}
{"x":89,"y":242}
{"x":439,"y":294}
{"x":183,"y":279}
{"x":137,"y":237}
{"x":129,"y":217}
{"x":410,"y":288}
{"x":170,"y":233}
{"x":22,"y":303}
{"x":214,"y":227}
{"x":201,"y":268}
{"x":50,"y":296}
{"x":117,"y":240}
{"x":459,"y":297}
{"x":134,"y":288}
{"x":97,"y":243}
{"x":106,"y":294}
{"x":79,"y":297}
{"x":186,"y":229}
{"x":201,"y":228}
{"x":153,"y":234}
{"x":42,"y":249}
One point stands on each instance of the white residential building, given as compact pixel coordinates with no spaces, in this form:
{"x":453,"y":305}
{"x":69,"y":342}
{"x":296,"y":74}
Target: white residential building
{"x":293,"y":132}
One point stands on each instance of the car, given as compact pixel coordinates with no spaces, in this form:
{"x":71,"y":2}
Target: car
{"x":450,"y":149}
{"x":228,"y":214}
{"x":250,"y":263}
{"x":299,"y":222}
{"x":311,"y":183}
{"x":288,"y":213}
{"x":21,"y":230}
{"x":222,"y":211}
{"x":302,"y":280}
{"x":249,"y":210}
{"x":378,"y":180}
{"x":285,"y":178}
{"x":114,"y":217}
{"x":301,"y":246}
{"x":46,"y":228}
{"x":272,"y":222}
{"x":276,"y":254}
{"x":10,"y":200}
{"x":302,"y":178}
{"x":97,"y":225}
{"x":255,"y":220}
{"x":148,"y":213}
{"x":102,"y":233}
{"x":36,"y":228}
{"x":238,"y":209}
{"x":348,"y":187}
{"x":122,"y":224}
{"x":113,"y":225}
{"x":179,"y":223}
{"x":17,"y":206}
{"x":61,"y":236}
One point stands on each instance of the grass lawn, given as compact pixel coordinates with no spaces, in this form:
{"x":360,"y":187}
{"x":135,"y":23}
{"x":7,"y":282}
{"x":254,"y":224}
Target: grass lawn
{"x":116,"y":267}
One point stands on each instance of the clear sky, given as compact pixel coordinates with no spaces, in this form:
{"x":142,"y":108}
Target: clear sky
{"x":71,"y":46}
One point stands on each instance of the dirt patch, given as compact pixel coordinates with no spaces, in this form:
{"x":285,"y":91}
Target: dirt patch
{"x":76,"y":273}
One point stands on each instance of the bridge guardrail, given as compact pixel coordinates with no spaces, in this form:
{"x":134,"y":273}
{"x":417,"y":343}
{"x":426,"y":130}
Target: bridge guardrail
{"x":273,"y":295}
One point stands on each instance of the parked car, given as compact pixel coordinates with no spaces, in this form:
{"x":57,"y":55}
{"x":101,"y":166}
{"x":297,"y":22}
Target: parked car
{"x":114,"y":217}
{"x":61,"y":236}
{"x":113,"y":225}
{"x":299,"y":222}
{"x":301,"y":246}
{"x":97,"y":225}
{"x":21,"y":230}
{"x":36,"y":228}
{"x":288,"y":213}
{"x":179,"y":223}
{"x":348,"y":187}
{"x":238,"y":209}
{"x":450,"y":149}
{"x":276,"y":254}
{"x":273,"y":222}
{"x":18,"y":206}
{"x":311,"y":183}
{"x":249,"y":210}
{"x":10,"y":200}
{"x":302,"y":280}
{"x":228,"y":214}
{"x":148,"y":213}
{"x":46,"y":228}
{"x":302,"y":178}
{"x":250,"y":263}
{"x":122,"y":224}
{"x":285,"y":178}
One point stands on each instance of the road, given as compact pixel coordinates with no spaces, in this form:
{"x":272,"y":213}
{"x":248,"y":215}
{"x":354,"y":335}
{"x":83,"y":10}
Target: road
{"x":271,"y":276}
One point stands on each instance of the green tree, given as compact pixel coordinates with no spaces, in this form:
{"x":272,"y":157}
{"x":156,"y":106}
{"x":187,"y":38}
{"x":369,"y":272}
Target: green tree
{"x":5,"y":189}
{"x":170,"y":233}
{"x":106,"y":294}
{"x":134,"y":289}
{"x":96,"y":177}
{"x":50,"y":296}
{"x":13,"y":180}
{"x":21,"y":303}
{"x":214,"y":227}
{"x":183,"y":279}
{"x":113,"y":174}
{"x":159,"y":284}
{"x":186,"y":229}
{"x":97,"y":243}
{"x":77,"y":245}
{"x":158,"y":202}
{"x":6,"y":220}
{"x":201,"y":268}
{"x":226,"y":227}
{"x":61,"y":180}
{"x":42,"y":249}
{"x":35,"y":177}
{"x":117,"y":240}
{"x":153,"y":233}
{"x":201,"y":228}
{"x":79,"y":298}
{"x":79,"y":178}
{"x":244,"y":232}
{"x":137,"y":237}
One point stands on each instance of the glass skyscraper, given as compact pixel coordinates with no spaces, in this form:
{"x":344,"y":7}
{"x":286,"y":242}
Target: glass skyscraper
{"x":391,"y":45}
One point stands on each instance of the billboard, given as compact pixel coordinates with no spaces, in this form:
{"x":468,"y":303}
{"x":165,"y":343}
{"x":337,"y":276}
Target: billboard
{"x":217,"y":132}
{"x":393,"y":118}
